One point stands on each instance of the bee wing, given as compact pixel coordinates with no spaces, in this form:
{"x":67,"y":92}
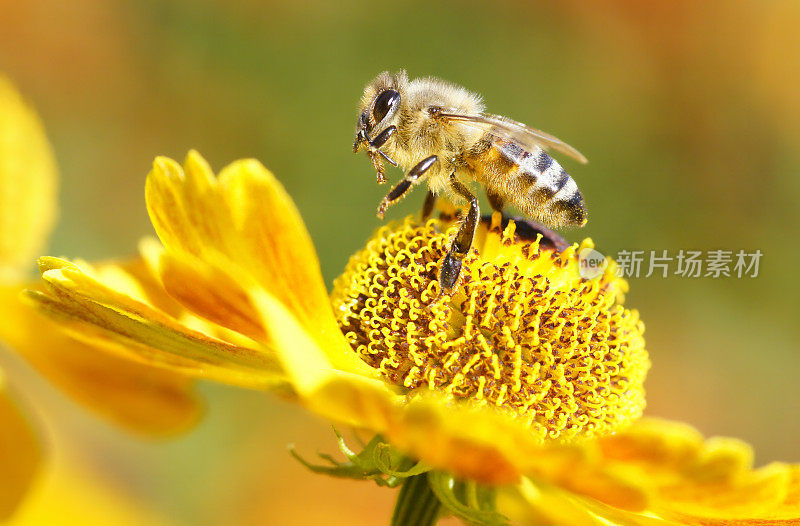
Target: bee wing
{"x":517,"y":132}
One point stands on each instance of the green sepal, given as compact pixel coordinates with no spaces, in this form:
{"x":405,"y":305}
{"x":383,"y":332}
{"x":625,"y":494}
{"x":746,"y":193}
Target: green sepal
{"x":466,"y":499}
{"x":380,"y":462}
{"x":377,"y":461}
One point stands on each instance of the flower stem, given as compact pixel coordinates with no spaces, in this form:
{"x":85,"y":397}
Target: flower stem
{"x":416,"y":504}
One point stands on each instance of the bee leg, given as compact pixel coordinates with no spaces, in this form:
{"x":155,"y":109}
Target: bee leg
{"x":427,"y":207}
{"x":411,"y":179}
{"x":374,"y":149}
{"x":462,"y":242}
{"x":495,"y":201}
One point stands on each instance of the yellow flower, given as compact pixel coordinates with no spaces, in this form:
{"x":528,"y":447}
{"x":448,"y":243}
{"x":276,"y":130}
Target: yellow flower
{"x":529,"y":378}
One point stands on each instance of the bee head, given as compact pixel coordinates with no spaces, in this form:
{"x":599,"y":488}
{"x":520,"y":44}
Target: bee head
{"x":379,"y":104}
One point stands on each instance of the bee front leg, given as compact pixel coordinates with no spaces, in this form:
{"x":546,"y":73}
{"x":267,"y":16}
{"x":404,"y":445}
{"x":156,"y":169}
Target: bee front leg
{"x":375,"y":154}
{"x":412,"y":178}
{"x":462,"y":242}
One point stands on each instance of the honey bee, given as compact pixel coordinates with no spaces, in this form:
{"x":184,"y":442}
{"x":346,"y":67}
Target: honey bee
{"x":439,"y":133}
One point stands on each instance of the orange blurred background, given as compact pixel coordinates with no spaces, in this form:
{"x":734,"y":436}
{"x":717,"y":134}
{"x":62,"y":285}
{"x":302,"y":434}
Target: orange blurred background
{"x":688,"y":111}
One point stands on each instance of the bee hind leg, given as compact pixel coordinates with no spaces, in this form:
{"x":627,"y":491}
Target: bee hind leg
{"x":462,"y":242}
{"x":495,"y":201}
{"x":412,"y":178}
{"x":427,"y":207}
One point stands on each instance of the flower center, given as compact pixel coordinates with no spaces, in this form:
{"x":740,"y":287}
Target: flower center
{"x":524,"y":331}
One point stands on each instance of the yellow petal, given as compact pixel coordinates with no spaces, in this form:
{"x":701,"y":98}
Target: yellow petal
{"x":470,"y":442}
{"x":770,"y":494}
{"x":245,"y":215}
{"x":28,"y":184}
{"x":611,"y":515}
{"x":136,"y":396}
{"x":674,"y":449}
{"x":244,"y":219}
{"x":492,"y":447}
{"x":276,"y":243}
{"x":340,"y":396}
{"x":93,"y":312}
{"x":211,"y":291}
{"x":660,"y":472}
{"x":185,"y":207}
{"x":696,"y":481}
{"x":442,"y":440}
{"x":538,"y":503}
{"x":70,"y":494}
{"x":19,"y":454}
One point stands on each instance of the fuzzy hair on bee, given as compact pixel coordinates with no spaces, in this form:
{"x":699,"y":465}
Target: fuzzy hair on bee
{"x":439,"y":133}
{"x":419,"y":135}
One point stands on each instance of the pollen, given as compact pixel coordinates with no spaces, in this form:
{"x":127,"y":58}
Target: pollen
{"x":523,"y":332}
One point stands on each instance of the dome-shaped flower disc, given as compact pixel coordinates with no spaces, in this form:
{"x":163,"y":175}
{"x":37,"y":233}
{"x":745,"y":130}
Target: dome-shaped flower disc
{"x":524,"y":332}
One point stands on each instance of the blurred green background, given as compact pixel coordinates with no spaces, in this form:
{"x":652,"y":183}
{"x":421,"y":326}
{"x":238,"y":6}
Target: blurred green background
{"x":688,"y":111}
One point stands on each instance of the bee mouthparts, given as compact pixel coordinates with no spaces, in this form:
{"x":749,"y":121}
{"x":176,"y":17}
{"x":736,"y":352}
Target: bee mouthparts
{"x":361,"y":137}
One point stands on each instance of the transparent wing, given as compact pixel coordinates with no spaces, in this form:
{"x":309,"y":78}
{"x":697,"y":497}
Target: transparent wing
{"x":510,"y":130}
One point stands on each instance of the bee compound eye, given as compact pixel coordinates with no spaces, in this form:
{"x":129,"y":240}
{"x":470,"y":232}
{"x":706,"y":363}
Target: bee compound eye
{"x":385,"y":102}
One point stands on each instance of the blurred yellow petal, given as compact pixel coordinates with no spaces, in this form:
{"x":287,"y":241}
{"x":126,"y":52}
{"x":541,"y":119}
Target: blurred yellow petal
{"x":19,"y":454}
{"x":611,"y":515}
{"x":493,"y":447}
{"x":574,"y":468}
{"x":674,"y":450}
{"x":699,"y":481}
{"x":541,"y":503}
{"x":765,"y":495}
{"x":357,"y":401}
{"x":472,"y":443}
{"x":137,"y":396}
{"x":28,"y":184}
{"x":70,"y":494}
{"x":680,"y":478}
{"x":28,"y":208}
{"x":243,"y":218}
{"x":91,"y":310}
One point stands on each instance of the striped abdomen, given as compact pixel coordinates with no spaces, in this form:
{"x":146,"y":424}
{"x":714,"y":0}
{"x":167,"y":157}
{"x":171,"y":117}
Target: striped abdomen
{"x":530,"y":180}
